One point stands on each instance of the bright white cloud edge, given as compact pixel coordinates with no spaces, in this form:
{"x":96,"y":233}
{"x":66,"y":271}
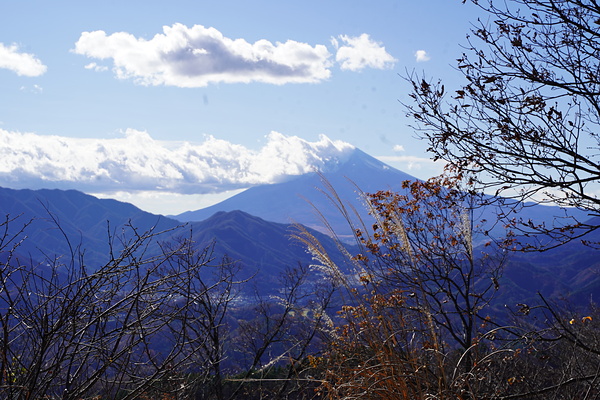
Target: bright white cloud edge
{"x":197,"y":56}
{"x":422,"y":56}
{"x":167,"y":177}
{"x":361,"y":52}
{"x":23,"y":64}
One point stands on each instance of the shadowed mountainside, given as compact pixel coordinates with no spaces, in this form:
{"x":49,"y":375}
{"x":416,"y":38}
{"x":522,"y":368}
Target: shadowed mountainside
{"x":261,"y":248}
{"x":85,"y":220}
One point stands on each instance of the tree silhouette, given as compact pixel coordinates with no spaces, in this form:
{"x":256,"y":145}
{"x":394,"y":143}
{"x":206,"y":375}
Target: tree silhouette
{"x":525,"y":122}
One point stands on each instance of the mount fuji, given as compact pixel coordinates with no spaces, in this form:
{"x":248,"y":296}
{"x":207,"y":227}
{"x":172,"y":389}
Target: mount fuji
{"x":310,"y":199}
{"x":307,"y":199}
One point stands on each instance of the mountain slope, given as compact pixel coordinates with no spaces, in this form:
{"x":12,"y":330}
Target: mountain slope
{"x":261,"y":248}
{"x":570,"y":271}
{"x":83,"y":220}
{"x":264,"y":249}
{"x":302,"y":199}
{"x":296,"y":200}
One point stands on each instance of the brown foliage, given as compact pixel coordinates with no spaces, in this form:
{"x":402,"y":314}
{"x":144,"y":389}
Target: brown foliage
{"x":415,"y":315}
{"x":416,"y":324}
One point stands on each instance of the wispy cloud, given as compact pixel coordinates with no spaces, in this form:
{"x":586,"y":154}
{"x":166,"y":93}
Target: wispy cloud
{"x":361,"y":52}
{"x":137,"y":162}
{"x":197,"y":56}
{"x":32,"y":89}
{"x":23,"y":64}
{"x":422,"y":56}
{"x":96,"y":67}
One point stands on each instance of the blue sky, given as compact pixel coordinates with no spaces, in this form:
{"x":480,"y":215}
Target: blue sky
{"x":170,"y":104}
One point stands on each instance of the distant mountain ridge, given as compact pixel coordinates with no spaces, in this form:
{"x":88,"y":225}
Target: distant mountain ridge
{"x":83,"y":219}
{"x":569,"y":270}
{"x":304,"y":199}
{"x":64,"y":221}
{"x":264,"y":247}
{"x":298,"y":199}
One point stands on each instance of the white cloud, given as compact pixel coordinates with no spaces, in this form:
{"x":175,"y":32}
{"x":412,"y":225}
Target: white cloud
{"x":422,"y":56}
{"x":136,"y":162}
{"x":23,"y":64}
{"x":198,"y":56}
{"x":361,"y":52}
{"x":398,"y":148}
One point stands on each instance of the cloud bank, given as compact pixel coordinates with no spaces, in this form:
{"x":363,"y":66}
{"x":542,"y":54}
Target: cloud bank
{"x":23,"y":64}
{"x":198,"y":56}
{"x":136,"y":162}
